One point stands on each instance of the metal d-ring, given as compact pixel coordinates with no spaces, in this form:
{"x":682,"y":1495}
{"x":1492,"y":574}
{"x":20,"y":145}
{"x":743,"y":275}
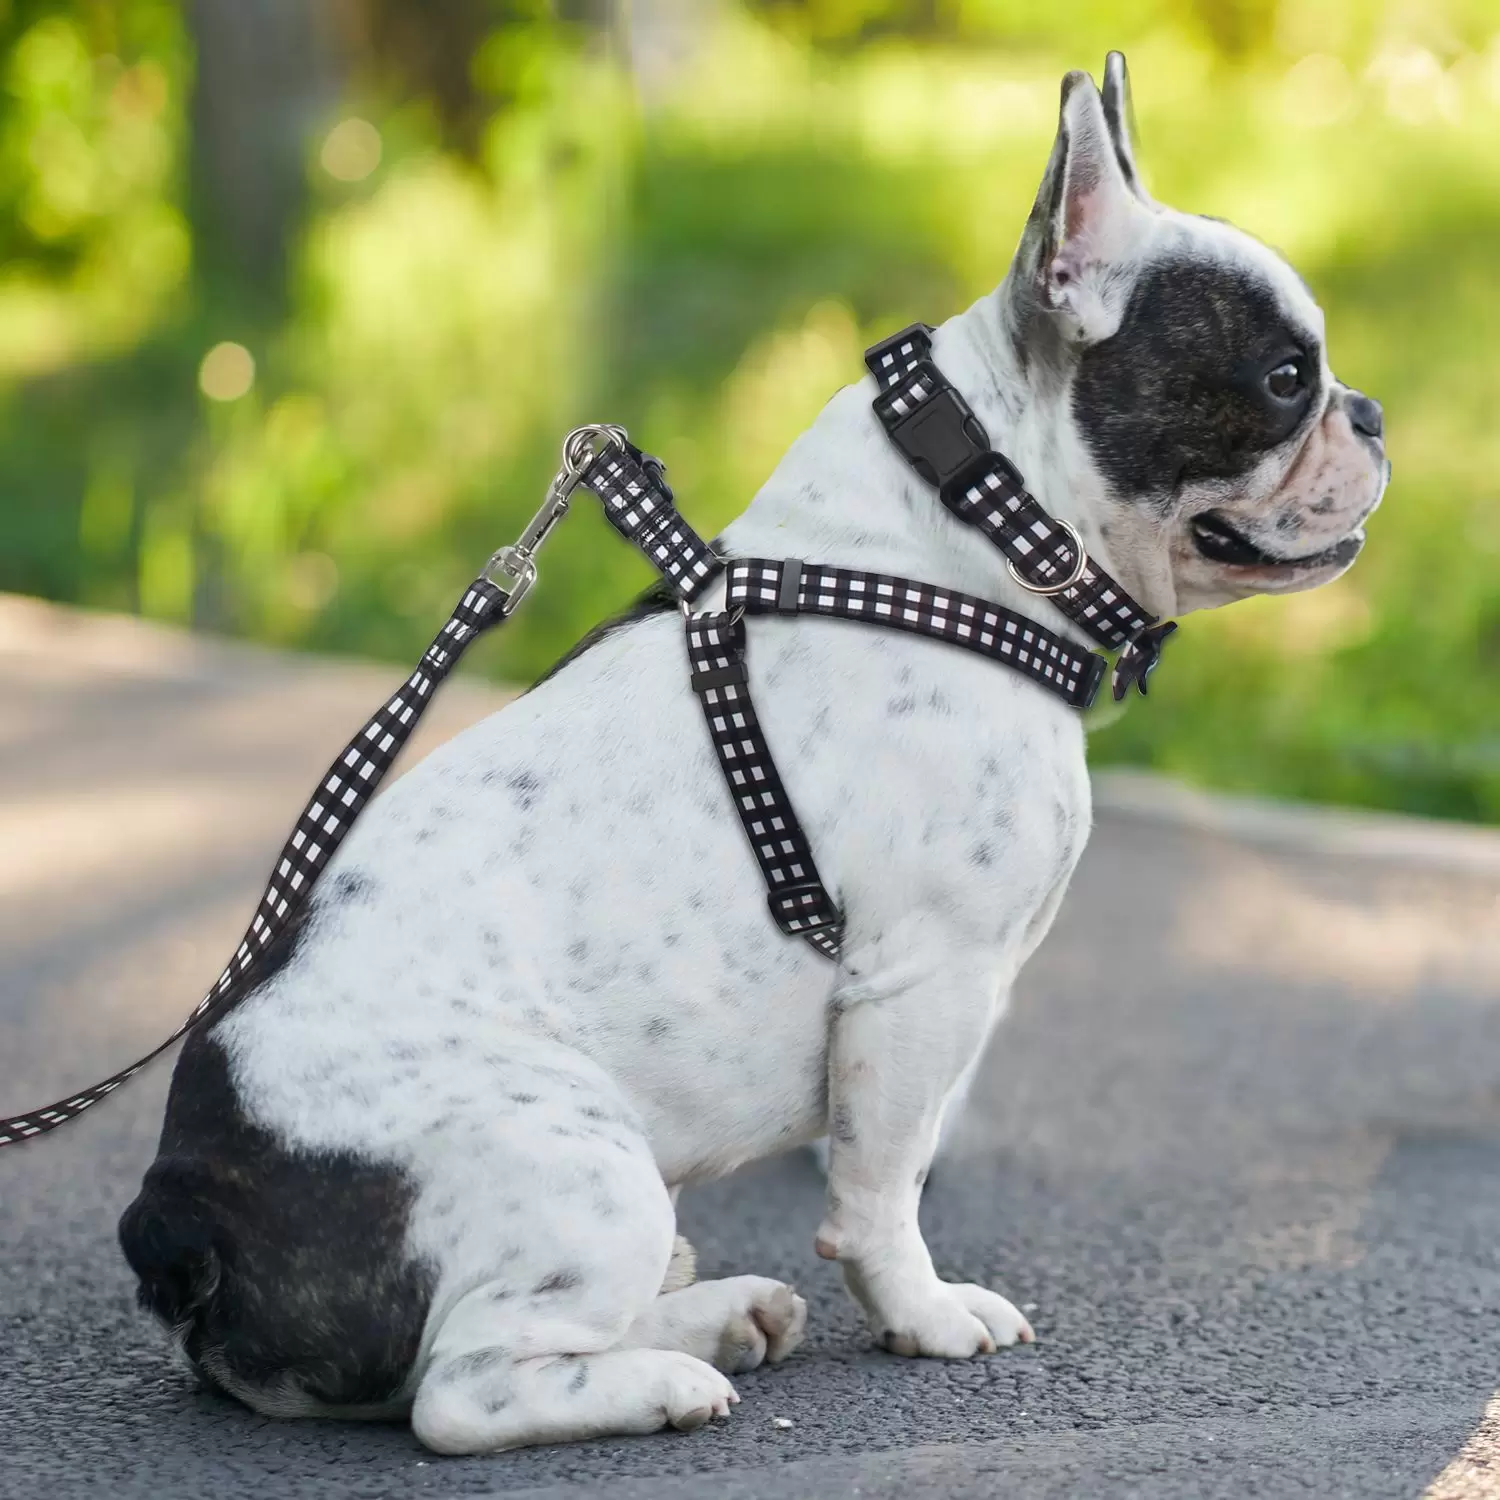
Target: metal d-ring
{"x":578,"y":447}
{"x":1080,"y":568}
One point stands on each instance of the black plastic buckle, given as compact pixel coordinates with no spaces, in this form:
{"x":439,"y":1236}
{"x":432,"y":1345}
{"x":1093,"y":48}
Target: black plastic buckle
{"x":796,"y":922}
{"x":942,"y":439}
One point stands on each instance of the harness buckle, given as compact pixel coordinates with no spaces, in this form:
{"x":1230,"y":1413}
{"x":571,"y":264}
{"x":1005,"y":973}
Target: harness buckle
{"x":942,"y":438}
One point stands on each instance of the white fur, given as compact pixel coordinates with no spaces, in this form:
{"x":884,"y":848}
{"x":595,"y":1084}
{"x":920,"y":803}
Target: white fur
{"x":561,"y":997}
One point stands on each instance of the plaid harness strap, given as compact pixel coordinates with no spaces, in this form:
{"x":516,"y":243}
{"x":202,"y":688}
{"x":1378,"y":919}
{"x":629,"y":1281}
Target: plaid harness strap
{"x":789,"y":586}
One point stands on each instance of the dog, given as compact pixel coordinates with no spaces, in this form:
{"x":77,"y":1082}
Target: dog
{"x":428,"y":1168}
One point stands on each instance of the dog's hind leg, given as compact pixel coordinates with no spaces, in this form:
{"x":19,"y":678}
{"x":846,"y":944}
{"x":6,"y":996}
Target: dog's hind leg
{"x":489,"y":1398}
{"x":736,"y":1324}
{"x":531,"y":1351}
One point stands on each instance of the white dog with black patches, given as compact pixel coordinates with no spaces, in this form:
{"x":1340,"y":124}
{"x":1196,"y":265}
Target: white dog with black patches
{"x":429,"y":1166}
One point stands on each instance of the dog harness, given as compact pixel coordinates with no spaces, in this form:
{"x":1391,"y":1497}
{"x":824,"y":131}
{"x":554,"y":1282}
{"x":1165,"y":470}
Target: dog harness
{"x":934,"y":428}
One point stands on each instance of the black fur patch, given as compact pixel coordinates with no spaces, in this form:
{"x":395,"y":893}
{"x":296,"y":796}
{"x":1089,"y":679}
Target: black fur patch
{"x":1177,"y":395}
{"x":558,"y":1281}
{"x":277,"y":1267}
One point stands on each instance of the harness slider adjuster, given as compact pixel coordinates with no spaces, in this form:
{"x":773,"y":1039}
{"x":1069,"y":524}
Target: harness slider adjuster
{"x":734,"y":675}
{"x":802,"y":908}
{"x":789,"y":593}
{"x":941,"y":439}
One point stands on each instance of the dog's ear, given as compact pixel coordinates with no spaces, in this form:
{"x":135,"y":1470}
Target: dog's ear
{"x":1086,"y":219}
{"x":1119,"y":114}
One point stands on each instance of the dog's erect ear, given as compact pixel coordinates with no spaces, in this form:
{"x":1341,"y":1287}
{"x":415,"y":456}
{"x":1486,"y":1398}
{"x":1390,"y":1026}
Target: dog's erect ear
{"x":1119,"y":114}
{"x":1085,"y":221}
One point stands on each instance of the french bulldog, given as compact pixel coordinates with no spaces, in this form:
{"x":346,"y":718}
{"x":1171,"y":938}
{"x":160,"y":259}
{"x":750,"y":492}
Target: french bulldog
{"x":428,"y":1169}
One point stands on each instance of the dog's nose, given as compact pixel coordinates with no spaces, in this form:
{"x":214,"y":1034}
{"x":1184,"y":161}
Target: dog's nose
{"x":1365,"y":414}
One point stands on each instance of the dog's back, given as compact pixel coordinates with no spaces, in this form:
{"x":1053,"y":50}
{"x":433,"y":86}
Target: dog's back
{"x":282,"y":1276}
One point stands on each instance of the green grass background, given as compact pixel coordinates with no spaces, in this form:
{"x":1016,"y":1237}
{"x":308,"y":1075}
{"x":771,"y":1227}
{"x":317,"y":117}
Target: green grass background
{"x":704,"y":261}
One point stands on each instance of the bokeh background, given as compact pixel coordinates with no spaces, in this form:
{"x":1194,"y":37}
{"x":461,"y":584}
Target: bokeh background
{"x":298,"y":296}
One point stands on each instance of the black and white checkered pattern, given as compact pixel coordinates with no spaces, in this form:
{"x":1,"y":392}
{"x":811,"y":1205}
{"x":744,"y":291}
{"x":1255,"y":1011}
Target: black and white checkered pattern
{"x":987,"y":493}
{"x":639,"y":506}
{"x":896,"y":356}
{"x":764,"y":586}
{"x":796,"y":896}
{"x":344,"y":790}
{"x":991,"y":496}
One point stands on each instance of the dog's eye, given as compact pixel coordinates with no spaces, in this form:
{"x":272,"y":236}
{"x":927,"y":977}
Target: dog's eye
{"x":1285,"y":380}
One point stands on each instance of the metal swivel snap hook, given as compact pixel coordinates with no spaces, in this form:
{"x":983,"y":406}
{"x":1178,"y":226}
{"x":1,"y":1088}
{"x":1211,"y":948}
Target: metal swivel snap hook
{"x":512,"y":569}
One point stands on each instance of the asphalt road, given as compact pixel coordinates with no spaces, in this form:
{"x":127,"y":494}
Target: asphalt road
{"x":1238,"y":1151}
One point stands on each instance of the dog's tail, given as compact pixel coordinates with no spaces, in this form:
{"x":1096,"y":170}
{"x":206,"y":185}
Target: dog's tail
{"x":170,"y":1237}
{"x":284,"y":1294}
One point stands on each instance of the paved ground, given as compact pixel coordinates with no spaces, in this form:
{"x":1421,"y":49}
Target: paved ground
{"x":1239,"y":1147}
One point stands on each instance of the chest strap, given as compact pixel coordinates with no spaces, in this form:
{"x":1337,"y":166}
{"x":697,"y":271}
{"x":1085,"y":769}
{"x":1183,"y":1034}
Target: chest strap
{"x":796,"y":896}
{"x":764,"y":586}
{"x":938,"y":434}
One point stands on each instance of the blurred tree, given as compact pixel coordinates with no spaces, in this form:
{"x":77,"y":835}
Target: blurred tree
{"x":268,"y":73}
{"x":401,"y":53}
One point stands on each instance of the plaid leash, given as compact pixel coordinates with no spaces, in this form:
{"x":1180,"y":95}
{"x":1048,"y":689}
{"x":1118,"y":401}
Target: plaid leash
{"x":939,"y":435}
{"x":343,"y":792}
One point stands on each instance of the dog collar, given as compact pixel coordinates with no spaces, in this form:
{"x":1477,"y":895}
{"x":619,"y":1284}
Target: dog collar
{"x":936,"y":431}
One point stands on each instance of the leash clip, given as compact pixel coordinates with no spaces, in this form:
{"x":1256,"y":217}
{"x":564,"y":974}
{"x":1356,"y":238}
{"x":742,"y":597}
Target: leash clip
{"x":512,"y":569}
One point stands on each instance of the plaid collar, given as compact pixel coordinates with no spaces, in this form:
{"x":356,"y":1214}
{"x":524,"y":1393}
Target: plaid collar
{"x":938,"y":434}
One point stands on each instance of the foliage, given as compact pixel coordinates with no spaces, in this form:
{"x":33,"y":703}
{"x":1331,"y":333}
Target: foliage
{"x":701,"y":251}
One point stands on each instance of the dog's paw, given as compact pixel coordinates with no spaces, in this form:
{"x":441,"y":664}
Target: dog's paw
{"x":765,"y":1329}
{"x":955,"y":1321}
{"x":691,"y":1392}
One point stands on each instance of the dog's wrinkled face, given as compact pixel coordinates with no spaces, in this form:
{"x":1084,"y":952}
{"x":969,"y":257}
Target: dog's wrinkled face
{"x":1195,"y":379}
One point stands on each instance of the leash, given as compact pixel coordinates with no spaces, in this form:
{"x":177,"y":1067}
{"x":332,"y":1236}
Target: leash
{"x":933,"y":426}
{"x":351,"y":780}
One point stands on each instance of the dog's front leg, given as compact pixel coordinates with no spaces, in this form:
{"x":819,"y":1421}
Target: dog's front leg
{"x":894,"y":1060}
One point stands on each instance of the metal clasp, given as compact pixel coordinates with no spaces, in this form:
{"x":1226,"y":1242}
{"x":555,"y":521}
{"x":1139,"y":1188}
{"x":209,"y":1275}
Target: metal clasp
{"x":1079,"y":569}
{"x":513,"y":569}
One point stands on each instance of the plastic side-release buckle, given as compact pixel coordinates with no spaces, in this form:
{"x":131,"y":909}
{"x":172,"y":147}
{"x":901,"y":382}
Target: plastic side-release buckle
{"x":941,"y":439}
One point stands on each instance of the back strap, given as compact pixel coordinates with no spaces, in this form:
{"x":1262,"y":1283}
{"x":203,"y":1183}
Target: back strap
{"x":768,"y":586}
{"x":346,"y":786}
{"x":795,"y":894}
{"x":939,"y":435}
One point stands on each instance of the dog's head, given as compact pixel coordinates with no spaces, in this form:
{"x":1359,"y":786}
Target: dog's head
{"x":1187,"y":364}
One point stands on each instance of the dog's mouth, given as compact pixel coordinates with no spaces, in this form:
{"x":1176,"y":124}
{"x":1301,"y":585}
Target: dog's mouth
{"x":1220,"y":541}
